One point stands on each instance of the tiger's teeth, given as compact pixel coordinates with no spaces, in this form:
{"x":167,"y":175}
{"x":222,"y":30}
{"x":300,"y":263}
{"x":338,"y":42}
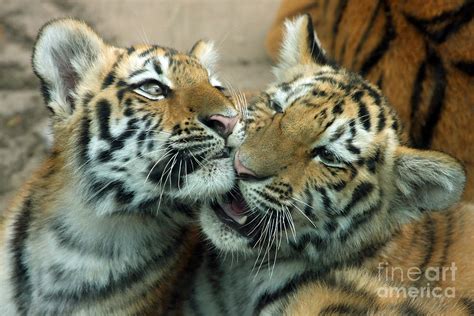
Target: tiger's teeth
{"x":242,"y":220}
{"x":236,"y":217}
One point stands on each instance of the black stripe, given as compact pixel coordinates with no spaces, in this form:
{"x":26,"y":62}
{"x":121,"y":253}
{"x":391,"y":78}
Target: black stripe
{"x":415,"y":99}
{"x":360,"y":219}
{"x":66,"y":239}
{"x":339,"y":13}
{"x":352,"y":148}
{"x":330,"y":80}
{"x":339,"y":186}
{"x":337,"y":134}
{"x":352,"y":128}
{"x":466,"y":67}
{"x":286,"y":289}
{"x":338,"y":107}
{"x":148,"y":51}
{"x":137,"y":72}
{"x":123,"y":195}
{"x":435,"y":107}
{"x":308,"y":209}
{"x":108,"y":80}
{"x":348,"y":287}
{"x":157,"y":68}
{"x":439,"y":28}
{"x":101,"y":188}
{"x":469,"y":303}
{"x":342,"y":52}
{"x":119,"y":141}
{"x":92,"y":292}
{"x":316,"y":51}
{"x":325,"y":198}
{"x":20,"y":272}
{"x":377,"y":53}
{"x":374,"y":160}
{"x":103,"y":111}
{"x":309,"y":239}
{"x":120,"y":93}
{"x":362,"y":191}
{"x":364,"y":116}
{"x":84,"y":139}
{"x":267,"y":197}
{"x":367,"y":30}
{"x":381,"y":120}
{"x":380,"y":81}
{"x":358,"y":257}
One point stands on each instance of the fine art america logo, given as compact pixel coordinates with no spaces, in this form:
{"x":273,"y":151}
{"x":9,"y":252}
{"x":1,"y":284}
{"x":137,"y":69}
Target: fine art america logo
{"x":417,"y":282}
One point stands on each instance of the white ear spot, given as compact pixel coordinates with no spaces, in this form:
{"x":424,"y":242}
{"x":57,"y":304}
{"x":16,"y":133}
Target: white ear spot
{"x":207,"y":54}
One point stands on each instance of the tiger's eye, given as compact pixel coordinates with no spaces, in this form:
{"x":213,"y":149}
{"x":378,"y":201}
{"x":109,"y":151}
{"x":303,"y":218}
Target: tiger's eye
{"x":152,"y":88}
{"x":327,"y":156}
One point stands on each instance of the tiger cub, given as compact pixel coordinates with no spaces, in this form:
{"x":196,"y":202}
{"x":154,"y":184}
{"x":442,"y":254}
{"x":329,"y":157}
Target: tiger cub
{"x":330,"y":201}
{"x":139,"y":134}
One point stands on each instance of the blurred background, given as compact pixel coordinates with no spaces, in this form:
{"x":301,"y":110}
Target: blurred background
{"x":238,"y":27}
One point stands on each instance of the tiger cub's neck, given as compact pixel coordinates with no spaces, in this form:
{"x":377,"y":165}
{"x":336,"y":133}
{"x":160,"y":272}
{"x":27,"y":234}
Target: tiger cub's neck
{"x":64,"y":257}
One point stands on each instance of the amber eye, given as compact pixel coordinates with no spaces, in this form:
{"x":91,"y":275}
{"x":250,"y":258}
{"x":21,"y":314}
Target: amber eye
{"x":327,"y":157}
{"x":152,"y":89}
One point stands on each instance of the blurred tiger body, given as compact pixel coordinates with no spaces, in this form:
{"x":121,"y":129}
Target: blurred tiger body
{"x":104,"y":226}
{"x":329,"y":199}
{"x":419,"y":54}
{"x":357,"y":292}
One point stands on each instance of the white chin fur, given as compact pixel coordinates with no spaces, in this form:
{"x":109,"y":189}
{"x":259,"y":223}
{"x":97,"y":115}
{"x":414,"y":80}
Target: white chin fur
{"x":221,"y":236}
{"x":214,"y":179}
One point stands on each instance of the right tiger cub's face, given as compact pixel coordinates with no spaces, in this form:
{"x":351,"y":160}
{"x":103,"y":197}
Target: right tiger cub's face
{"x":321,"y":167}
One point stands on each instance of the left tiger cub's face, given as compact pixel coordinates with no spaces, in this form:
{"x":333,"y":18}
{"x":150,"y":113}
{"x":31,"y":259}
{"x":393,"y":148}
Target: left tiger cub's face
{"x":137,"y":125}
{"x":323,"y":169}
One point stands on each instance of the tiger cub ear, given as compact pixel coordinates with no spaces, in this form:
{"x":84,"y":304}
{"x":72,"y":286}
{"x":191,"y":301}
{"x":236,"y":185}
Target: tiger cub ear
{"x":300,"y":45}
{"x":64,"y":51}
{"x":427,"y":180}
{"x":206,"y":53}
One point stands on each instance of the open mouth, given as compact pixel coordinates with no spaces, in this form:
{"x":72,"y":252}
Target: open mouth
{"x":233,"y":211}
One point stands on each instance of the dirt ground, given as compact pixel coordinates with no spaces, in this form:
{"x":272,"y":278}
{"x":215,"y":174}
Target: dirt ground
{"x":237,"y":26}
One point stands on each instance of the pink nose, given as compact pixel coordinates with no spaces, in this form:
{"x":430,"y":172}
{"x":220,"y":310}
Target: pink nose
{"x":224,"y":125}
{"x":241,"y":169}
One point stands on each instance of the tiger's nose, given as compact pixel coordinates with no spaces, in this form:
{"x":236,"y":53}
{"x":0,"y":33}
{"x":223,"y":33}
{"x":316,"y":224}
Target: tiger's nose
{"x":223,"y":125}
{"x":241,"y":169}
